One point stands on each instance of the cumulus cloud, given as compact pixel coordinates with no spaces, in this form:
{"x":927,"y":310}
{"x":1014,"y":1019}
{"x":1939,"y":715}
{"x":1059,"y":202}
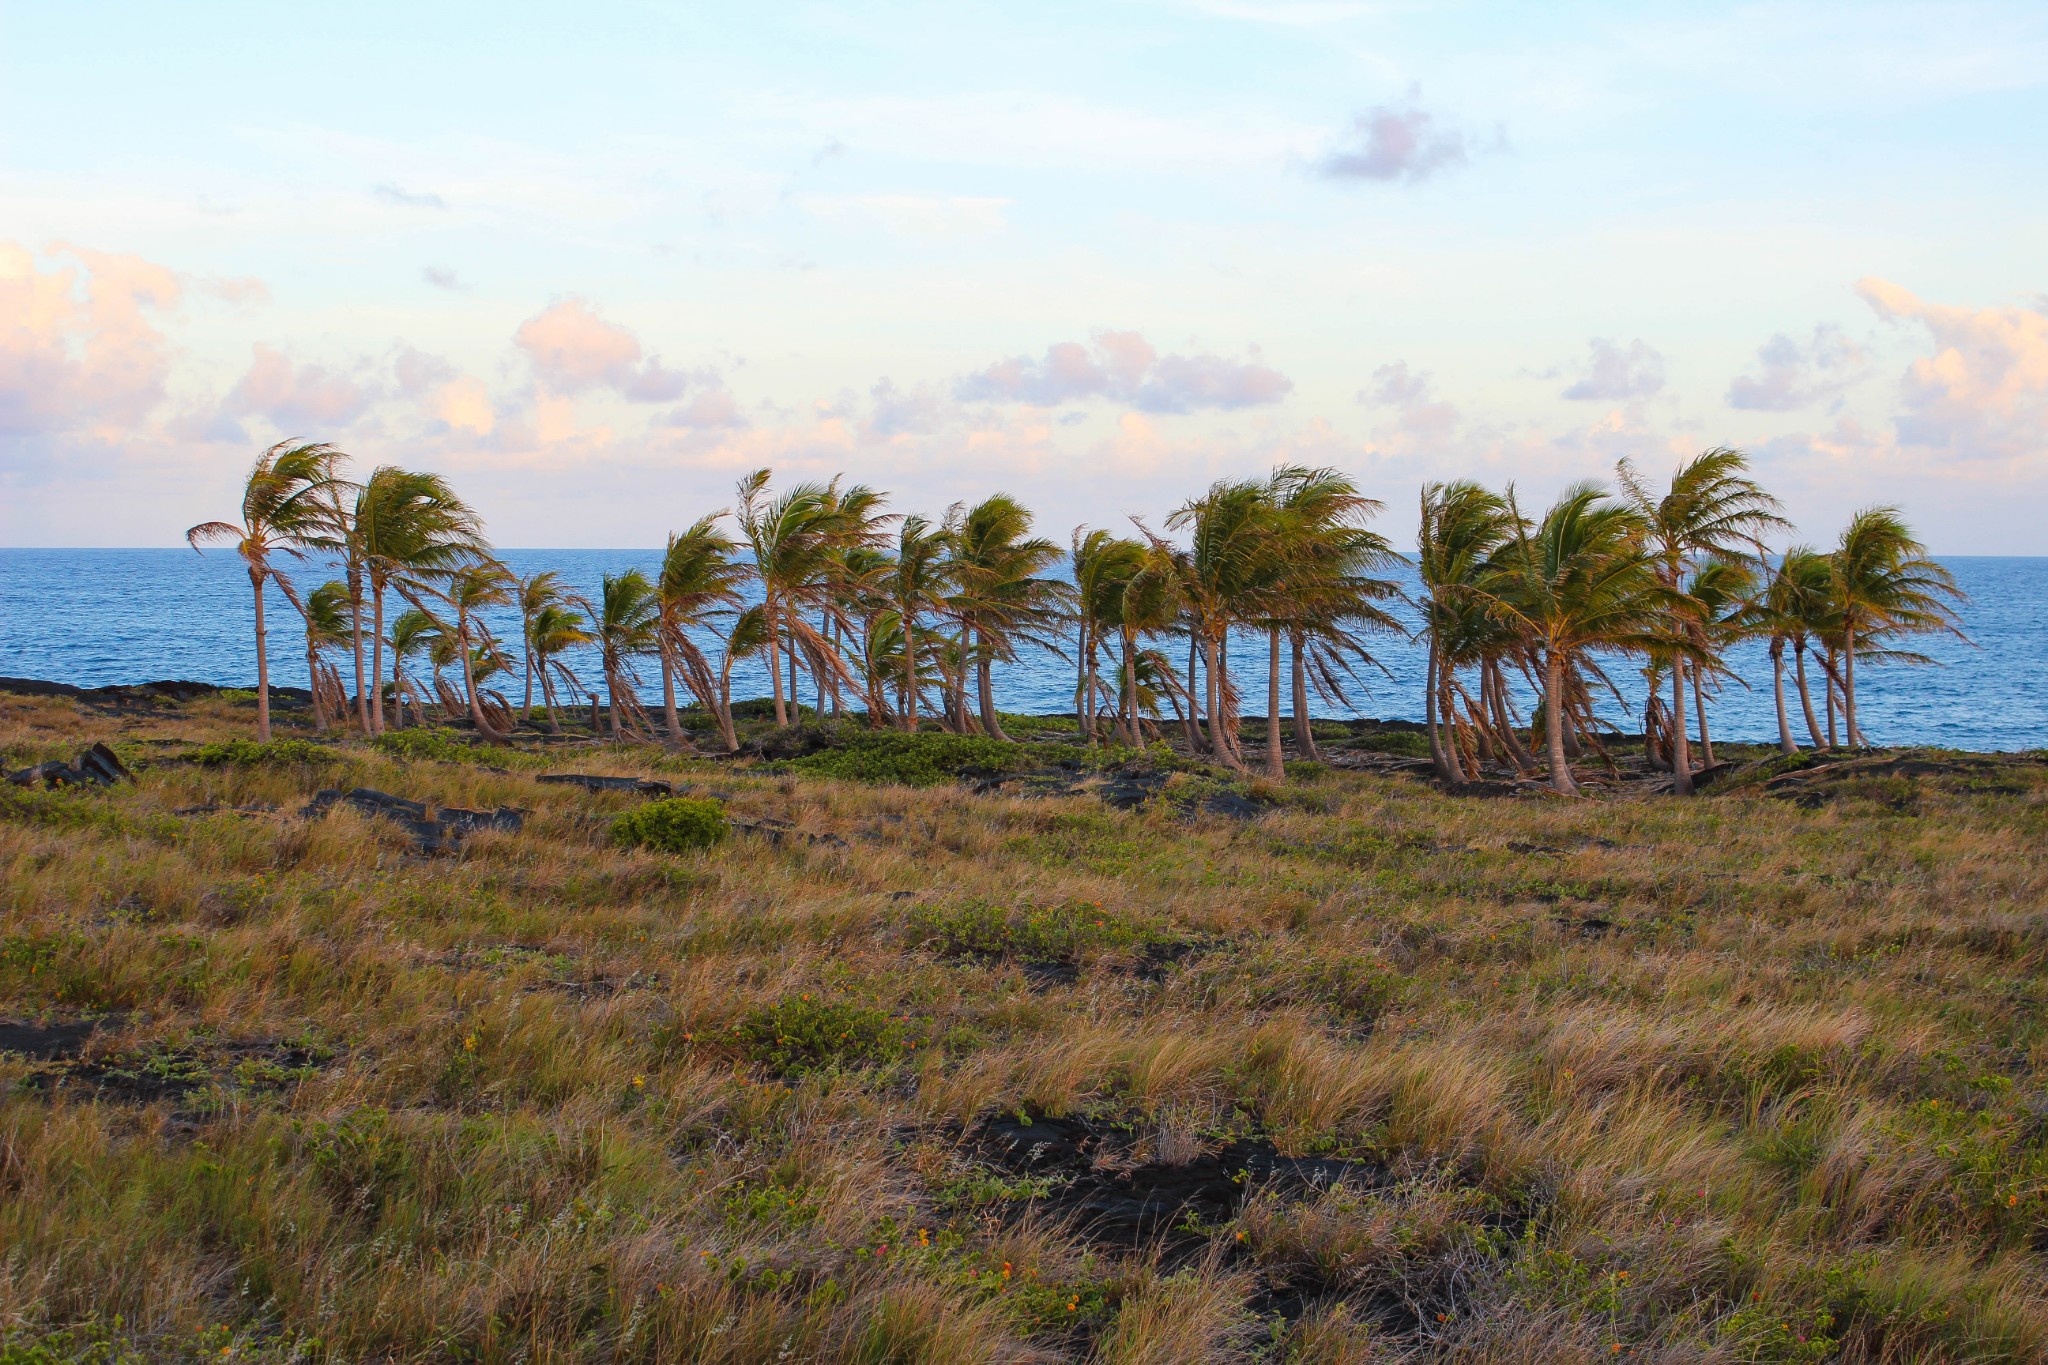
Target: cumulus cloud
{"x":905,"y":412}
{"x":1614,"y":372}
{"x":710,"y":410}
{"x":403,"y":198}
{"x":1419,"y":419}
{"x":1983,"y":394}
{"x":443,"y":277}
{"x":573,"y":350}
{"x":1393,"y":142}
{"x":1126,"y":368}
{"x":1790,"y":374}
{"x":296,"y":399}
{"x":80,"y":347}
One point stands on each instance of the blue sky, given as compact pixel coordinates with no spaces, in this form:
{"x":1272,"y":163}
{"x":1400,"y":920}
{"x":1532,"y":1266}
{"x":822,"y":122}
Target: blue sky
{"x":597,"y":261}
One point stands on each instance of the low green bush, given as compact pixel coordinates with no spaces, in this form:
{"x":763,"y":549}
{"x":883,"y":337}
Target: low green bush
{"x":1051,"y":933}
{"x":427,"y":743}
{"x":247,"y":753}
{"x":799,"y":1033}
{"x":676,"y":824}
{"x":1401,"y":743}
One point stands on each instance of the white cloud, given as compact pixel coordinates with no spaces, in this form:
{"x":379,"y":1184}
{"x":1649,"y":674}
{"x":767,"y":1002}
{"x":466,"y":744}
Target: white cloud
{"x":1126,"y":368}
{"x":1791,"y":375}
{"x":1614,"y":372}
{"x":1983,"y":393}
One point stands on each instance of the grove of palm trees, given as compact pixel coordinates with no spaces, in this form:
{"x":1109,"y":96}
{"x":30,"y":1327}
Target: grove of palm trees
{"x":547,"y":994}
{"x":904,"y":621}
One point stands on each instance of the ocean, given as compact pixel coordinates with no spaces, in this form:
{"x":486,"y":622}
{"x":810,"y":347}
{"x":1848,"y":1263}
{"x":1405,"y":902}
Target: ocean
{"x":93,"y":617}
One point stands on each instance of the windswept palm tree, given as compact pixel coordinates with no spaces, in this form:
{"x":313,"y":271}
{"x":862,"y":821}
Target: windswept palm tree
{"x":795,"y":539}
{"x":698,"y":582}
{"x":917,"y":583}
{"x":1720,"y":596}
{"x":1712,"y":508}
{"x":1001,"y":596}
{"x":468,"y":592}
{"x":405,"y":525}
{"x":1227,"y":576}
{"x":1885,"y":586}
{"x":554,"y":629}
{"x":326,"y":613}
{"x":1464,"y":528}
{"x":1105,"y":566}
{"x":413,"y":631}
{"x":626,"y":620}
{"x":1583,"y":579}
{"x":283,"y":509}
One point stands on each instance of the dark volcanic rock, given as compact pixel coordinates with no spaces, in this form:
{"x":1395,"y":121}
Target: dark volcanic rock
{"x":96,"y":767}
{"x":46,"y":1042}
{"x":438,"y":832}
{"x":647,"y":786}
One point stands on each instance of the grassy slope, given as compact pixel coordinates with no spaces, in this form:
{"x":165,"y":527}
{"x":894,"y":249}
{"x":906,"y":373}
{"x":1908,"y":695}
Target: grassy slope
{"x":1728,"y":1079}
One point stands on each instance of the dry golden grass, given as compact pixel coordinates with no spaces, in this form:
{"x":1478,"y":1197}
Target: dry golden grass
{"x":1723,"y":1080}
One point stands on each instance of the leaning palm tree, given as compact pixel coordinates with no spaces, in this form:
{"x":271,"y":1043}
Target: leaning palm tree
{"x":1884,"y":585}
{"x":328,"y":622}
{"x":1712,"y":508}
{"x":1584,"y":579}
{"x":1720,"y":596}
{"x":553,"y":630}
{"x":283,"y":509}
{"x":698,"y":581}
{"x":413,"y":631}
{"x":1464,"y":528}
{"x":537,"y":592}
{"x":468,"y":592}
{"x":1002,"y":596}
{"x":404,"y":526}
{"x":917,"y":583}
{"x":1228,"y":575}
{"x":1104,"y":567}
{"x":794,"y":538}
{"x":626,"y":619}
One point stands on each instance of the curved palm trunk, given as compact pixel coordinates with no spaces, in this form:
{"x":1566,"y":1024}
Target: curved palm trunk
{"x":1681,"y":754}
{"x":1785,"y":744}
{"x":1195,"y":742}
{"x":1699,"y":704}
{"x":1833,"y":685}
{"x":1849,"y":682}
{"x":1439,"y":758}
{"x":1127,"y":711}
{"x":355,"y":630}
{"x":377,"y":659}
{"x":984,"y":667}
{"x":1806,"y":696}
{"x":1276,"y":762}
{"x":668,"y":696}
{"x":1504,"y":721}
{"x":909,"y":670}
{"x":1304,"y":724}
{"x":775,"y":665}
{"x":1553,"y":723}
{"x":313,"y":676}
{"x":262,"y":664}
{"x":476,"y":710}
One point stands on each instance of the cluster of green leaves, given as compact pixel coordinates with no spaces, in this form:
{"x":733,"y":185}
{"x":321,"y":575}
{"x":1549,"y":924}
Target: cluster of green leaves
{"x":922,"y":759}
{"x":801,"y":1033}
{"x":247,"y":753}
{"x":1051,"y":933}
{"x":423,"y":743}
{"x":676,"y":824}
{"x":1400,"y":743}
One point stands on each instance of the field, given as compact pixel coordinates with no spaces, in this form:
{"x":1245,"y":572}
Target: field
{"x":1134,"y":1066}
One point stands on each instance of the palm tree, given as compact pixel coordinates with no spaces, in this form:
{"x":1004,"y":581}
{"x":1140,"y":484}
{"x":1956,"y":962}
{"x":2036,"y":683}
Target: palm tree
{"x":404,"y":525}
{"x":537,"y":592}
{"x":326,"y":613}
{"x":1104,"y":567}
{"x":626,"y":620}
{"x":413,"y":630}
{"x":699,"y":579}
{"x":1001,"y":594}
{"x":281,"y":512}
{"x":1227,"y":576}
{"x":1885,"y":585}
{"x":1721,"y":594}
{"x":794,"y":539}
{"x":1463,"y":529}
{"x":1713,"y":508}
{"x":468,"y":592}
{"x":554,"y":629}
{"x":917,"y":583}
{"x":1584,"y":579}
{"x":1326,"y":594}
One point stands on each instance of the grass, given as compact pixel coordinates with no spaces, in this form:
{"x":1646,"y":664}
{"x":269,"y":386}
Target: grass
{"x":1735,"y":1079}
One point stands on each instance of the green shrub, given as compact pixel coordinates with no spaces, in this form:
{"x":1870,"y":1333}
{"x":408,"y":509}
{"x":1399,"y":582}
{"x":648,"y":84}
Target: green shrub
{"x":432,"y":743}
{"x":247,"y":753}
{"x":798,"y":1034}
{"x":1401,"y":743}
{"x":913,"y":760}
{"x":676,"y":824}
{"x":1052,"y":933}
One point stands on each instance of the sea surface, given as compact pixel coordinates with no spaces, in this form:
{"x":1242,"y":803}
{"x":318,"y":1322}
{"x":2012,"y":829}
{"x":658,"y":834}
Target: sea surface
{"x":93,"y":617}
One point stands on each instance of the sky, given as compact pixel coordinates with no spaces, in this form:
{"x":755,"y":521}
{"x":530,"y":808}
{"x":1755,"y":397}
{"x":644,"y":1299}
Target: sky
{"x":596,"y":262}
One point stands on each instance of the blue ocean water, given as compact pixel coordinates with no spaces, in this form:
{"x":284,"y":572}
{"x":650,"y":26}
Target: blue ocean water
{"x":106,"y":616}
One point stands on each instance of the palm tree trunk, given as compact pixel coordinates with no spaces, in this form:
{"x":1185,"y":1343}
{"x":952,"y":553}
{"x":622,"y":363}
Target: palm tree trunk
{"x":377,"y":658}
{"x":1681,"y":755}
{"x":668,"y":695}
{"x":1127,"y":706}
{"x":1439,"y":756}
{"x":262,"y":665}
{"x":984,"y":667}
{"x":1504,"y":721}
{"x":1553,"y":722}
{"x":1195,"y":708}
{"x":476,"y":710}
{"x":1849,"y":682}
{"x":1081,"y":682}
{"x":1699,"y":704}
{"x":1785,"y":744}
{"x":397,"y":690}
{"x":1828,"y":669}
{"x":1304,"y":725}
{"x":1276,"y":761}
{"x":775,"y":667}
{"x":1805,"y":696}
{"x":355,"y":630}
{"x":313,"y":676}
{"x":909,"y":672}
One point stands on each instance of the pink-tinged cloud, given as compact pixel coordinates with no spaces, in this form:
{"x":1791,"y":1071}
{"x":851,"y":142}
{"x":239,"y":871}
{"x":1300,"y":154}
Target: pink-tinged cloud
{"x":573,"y":350}
{"x":1790,"y":374}
{"x":79,"y":345}
{"x":1614,"y":372}
{"x":299,"y":400}
{"x":1983,"y":394}
{"x":1124,"y":367}
{"x":1395,"y":142}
